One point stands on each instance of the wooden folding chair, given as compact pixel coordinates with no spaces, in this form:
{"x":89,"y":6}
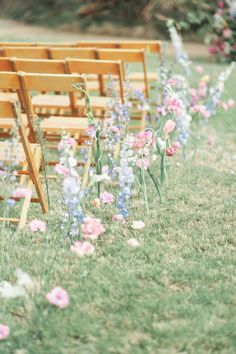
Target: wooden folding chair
{"x":28,"y":160}
{"x":128,"y":56}
{"x":54,"y":125}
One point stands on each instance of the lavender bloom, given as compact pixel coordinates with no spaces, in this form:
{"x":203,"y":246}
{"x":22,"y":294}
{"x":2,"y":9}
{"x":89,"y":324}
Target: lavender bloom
{"x":125,"y":176}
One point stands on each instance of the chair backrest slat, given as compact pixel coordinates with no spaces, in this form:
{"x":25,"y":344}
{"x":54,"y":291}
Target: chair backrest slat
{"x":52,"y":82}
{"x":26,"y":52}
{"x":39,"y":66}
{"x":77,"y":53}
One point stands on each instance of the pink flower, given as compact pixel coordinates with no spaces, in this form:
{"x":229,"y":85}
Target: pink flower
{"x":138,"y":225}
{"x":225,"y":106}
{"x":143,"y":163}
{"x":37,"y":225}
{"x":227,"y":33}
{"x":174,"y":105}
{"x":143,"y":138}
{"x":4,"y":331}
{"x":82,"y":248}
{"x":231,"y":103}
{"x":132,"y":242}
{"x":1,"y":173}
{"x":115,"y":130}
{"x":171,"y":82}
{"x":213,"y":49}
{"x":169,"y":126}
{"x":170,"y":151}
{"x":58,"y":297}
{"x":221,"y":4}
{"x":118,"y":217}
{"x":96,"y":203}
{"x":61,"y":170}
{"x":92,"y":228}
{"x":211,"y":140}
{"x":177,"y":145}
{"x":21,"y":192}
{"x":107,"y":198}
{"x":199,"y":69}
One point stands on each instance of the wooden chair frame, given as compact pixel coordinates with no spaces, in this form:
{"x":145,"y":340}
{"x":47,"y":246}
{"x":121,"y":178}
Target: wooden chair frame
{"x":10,"y":115}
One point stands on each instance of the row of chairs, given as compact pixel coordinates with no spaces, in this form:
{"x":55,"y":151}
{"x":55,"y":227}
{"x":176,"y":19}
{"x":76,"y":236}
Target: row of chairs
{"x":29,"y":73}
{"x":152,"y":46}
{"x":98,"y":69}
{"x":127,"y":56}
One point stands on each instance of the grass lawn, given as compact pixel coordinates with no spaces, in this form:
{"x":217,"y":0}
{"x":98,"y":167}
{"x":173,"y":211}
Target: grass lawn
{"x":174,"y":294}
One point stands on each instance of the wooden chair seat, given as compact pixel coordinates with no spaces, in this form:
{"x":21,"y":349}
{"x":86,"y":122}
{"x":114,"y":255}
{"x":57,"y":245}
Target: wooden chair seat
{"x":63,"y":101}
{"x":11,"y":96}
{"x":152,"y":76}
{"x":56,"y":124}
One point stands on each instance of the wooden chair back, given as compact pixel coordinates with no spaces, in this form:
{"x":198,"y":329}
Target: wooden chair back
{"x":127,"y":56}
{"x":61,"y":83}
{"x":101,"y":68}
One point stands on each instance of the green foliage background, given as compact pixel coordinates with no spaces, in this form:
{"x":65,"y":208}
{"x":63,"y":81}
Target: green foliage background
{"x":190,"y":15}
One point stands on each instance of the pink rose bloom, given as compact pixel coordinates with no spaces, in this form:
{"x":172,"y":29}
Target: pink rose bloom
{"x":231,"y":103}
{"x":174,"y":105}
{"x":62,"y":170}
{"x":138,"y":225}
{"x":118,"y":217}
{"x":82,"y":248}
{"x":213,"y":49}
{"x":143,"y":163}
{"x":221,"y":4}
{"x":199,"y":69}
{"x":58,"y":297}
{"x":92,"y":228}
{"x":143,"y":138}
{"x":37,"y":225}
{"x":21,"y":192}
{"x":171,"y":82}
{"x":4,"y":331}
{"x":177,"y":145}
{"x":170,"y":151}
{"x":107,"y":198}
{"x":227,"y":33}
{"x":169,"y":126}
{"x":115,"y":130}
{"x":96,"y":203}
{"x":132,"y":242}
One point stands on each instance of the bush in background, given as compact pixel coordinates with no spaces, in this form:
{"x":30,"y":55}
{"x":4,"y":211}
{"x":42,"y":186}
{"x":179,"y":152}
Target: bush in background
{"x":148,"y":15}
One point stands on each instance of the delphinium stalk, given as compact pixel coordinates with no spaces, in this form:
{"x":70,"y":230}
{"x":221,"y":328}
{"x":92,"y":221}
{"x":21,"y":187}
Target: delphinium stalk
{"x":181,"y":56}
{"x":94,"y":132}
{"x":125,"y":176}
{"x":217,"y":90}
{"x":72,"y":193}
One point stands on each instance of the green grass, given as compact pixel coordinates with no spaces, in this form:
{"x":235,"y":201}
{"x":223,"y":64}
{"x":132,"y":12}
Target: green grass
{"x":174,"y":294}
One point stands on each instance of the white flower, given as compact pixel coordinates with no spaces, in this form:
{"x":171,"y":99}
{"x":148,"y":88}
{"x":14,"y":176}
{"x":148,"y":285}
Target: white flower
{"x":138,"y":225}
{"x":132,"y":242}
{"x":9,"y":291}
